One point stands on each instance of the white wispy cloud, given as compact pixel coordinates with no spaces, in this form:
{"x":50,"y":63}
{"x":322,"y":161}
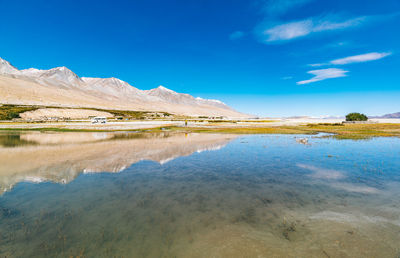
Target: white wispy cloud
{"x":323,"y":25}
{"x":296,"y":29}
{"x":288,"y":31}
{"x":338,"y":44}
{"x":317,"y":65}
{"x":323,"y":74}
{"x":236,"y":35}
{"x":355,"y":59}
{"x":360,"y":58}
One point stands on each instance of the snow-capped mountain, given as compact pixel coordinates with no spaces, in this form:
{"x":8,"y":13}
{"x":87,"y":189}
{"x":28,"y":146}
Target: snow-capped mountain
{"x":32,"y":72}
{"x":181,"y":98}
{"x":55,"y":75}
{"x":62,"y":87}
{"x":59,"y":74}
{"x":6,"y":67}
{"x":113,"y":86}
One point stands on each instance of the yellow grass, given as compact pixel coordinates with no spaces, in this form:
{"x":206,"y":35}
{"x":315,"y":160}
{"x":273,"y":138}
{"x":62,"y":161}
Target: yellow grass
{"x":339,"y":131}
{"x":347,"y":131}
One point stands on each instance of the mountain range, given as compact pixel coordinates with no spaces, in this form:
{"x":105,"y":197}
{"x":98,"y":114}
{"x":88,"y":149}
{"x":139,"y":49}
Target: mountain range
{"x":63,"y":88}
{"x":392,"y":115}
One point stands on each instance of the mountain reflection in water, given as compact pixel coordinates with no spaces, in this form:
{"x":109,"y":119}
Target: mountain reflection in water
{"x":61,"y":157}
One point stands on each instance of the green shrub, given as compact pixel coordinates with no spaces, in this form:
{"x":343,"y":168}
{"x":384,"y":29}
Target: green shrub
{"x":8,"y":111}
{"x":12,"y":115}
{"x":356,"y":117}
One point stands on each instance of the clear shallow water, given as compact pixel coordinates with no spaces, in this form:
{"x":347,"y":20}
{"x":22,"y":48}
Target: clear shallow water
{"x":198,"y":195}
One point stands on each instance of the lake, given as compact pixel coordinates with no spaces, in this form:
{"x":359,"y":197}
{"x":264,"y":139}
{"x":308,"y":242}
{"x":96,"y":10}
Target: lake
{"x":197,"y":195}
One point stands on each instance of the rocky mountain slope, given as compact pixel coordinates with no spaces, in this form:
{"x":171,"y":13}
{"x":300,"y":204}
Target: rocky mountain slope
{"x":61,"y":87}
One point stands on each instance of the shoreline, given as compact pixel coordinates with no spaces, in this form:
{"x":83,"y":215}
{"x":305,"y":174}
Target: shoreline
{"x":338,"y":130}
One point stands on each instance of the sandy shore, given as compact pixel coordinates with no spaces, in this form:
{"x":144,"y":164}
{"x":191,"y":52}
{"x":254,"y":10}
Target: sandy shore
{"x":132,"y":125}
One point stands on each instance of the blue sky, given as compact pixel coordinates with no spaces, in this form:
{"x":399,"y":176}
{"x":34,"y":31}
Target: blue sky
{"x":264,"y":57}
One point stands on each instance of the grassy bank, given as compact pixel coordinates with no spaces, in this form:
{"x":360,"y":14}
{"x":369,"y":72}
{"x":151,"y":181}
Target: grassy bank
{"x":357,"y":131}
{"x":9,"y":112}
{"x":134,"y":115}
{"x":338,"y":131}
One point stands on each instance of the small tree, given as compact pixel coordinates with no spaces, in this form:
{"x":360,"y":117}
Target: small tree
{"x":356,"y":117}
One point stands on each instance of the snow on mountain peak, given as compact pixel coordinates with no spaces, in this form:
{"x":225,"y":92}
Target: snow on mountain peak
{"x":113,"y":86}
{"x":165,"y":89}
{"x":104,"y":82}
{"x":117,"y":81}
{"x":62,"y":69}
{"x":62,"y":74}
{"x":6,"y":67}
{"x":212,"y":100}
{"x":32,"y":72}
{"x":3,"y":61}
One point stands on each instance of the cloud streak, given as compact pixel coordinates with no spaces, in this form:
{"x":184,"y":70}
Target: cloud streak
{"x":360,"y":58}
{"x":297,"y":29}
{"x":324,"y":74}
{"x":355,"y":59}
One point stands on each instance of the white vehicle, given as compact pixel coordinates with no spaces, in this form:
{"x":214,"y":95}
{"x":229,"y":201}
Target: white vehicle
{"x":99,"y":120}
